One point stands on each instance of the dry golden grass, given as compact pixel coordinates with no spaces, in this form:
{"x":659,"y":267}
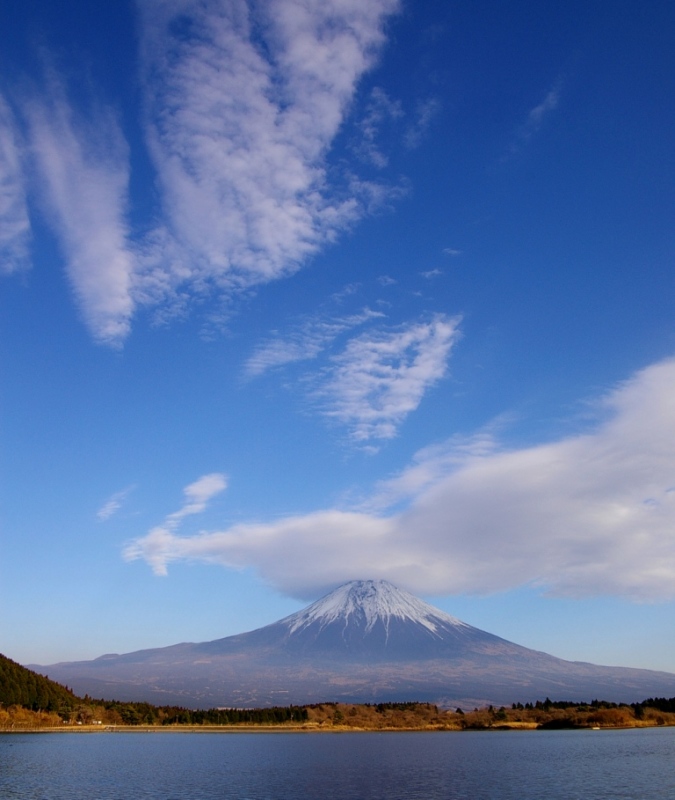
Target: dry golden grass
{"x":18,"y":718}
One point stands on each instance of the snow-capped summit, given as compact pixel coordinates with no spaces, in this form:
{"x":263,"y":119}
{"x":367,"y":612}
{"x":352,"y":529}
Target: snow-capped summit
{"x":372,"y":619}
{"x":365,"y":603}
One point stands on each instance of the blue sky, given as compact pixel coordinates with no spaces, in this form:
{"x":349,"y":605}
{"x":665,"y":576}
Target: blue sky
{"x":300,"y":292}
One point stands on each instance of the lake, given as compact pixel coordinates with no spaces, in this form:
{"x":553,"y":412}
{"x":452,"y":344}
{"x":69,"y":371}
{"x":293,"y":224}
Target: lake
{"x":520,"y":765}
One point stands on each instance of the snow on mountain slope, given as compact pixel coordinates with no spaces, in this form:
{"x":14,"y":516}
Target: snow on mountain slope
{"x":370,"y":602}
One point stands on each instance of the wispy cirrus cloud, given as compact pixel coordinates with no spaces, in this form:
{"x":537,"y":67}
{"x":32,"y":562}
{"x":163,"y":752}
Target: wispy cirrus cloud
{"x":305,"y":342}
{"x":543,"y":109}
{"x":536,"y":117}
{"x":375,"y":380}
{"x":380,"y":377}
{"x":425,"y":113}
{"x":14,"y":220}
{"x":197,"y":496}
{"x":113,"y":504}
{"x":381,"y":113}
{"x":380,"y":110}
{"x":243,"y":102}
{"x":588,"y":514}
{"x":83,"y":169}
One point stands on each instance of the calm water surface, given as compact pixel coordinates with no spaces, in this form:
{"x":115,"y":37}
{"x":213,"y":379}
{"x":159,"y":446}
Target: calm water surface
{"x":523,"y":765}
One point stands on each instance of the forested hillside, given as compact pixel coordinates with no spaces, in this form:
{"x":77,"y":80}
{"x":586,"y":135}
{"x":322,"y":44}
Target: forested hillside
{"x":23,"y":687}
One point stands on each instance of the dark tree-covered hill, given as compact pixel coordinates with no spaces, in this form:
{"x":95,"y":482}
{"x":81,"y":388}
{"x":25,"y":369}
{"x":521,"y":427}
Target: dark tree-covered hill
{"x":23,"y":687}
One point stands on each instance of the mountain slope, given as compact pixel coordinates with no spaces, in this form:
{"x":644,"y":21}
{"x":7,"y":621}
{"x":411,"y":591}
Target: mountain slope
{"x":365,"y":642}
{"x":24,"y":687}
{"x":369,"y":621}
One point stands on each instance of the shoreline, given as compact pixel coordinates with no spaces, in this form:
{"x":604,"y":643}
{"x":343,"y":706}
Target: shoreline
{"x":308,"y":729}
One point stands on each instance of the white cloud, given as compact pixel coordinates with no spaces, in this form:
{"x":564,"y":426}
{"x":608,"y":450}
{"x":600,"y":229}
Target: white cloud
{"x":325,"y":542}
{"x":429,"y":466}
{"x":243,"y":104}
{"x":306,"y":342}
{"x":380,"y":377}
{"x":452,"y":251}
{"x":537,"y":116}
{"x":113,"y":504}
{"x":426,"y":111}
{"x":348,"y":290}
{"x":83,"y":167}
{"x":159,"y":540}
{"x":590,"y":514}
{"x":380,"y":110}
{"x":14,"y":221}
{"x":197,"y":496}
{"x":539,"y":112}
{"x":432,"y":273}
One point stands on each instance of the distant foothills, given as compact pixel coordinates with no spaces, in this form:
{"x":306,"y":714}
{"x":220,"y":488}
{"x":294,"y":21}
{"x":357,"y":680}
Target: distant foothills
{"x":367,"y":642}
{"x":30,"y":702}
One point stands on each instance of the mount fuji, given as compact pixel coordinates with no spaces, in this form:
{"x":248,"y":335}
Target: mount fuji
{"x":367,"y":641}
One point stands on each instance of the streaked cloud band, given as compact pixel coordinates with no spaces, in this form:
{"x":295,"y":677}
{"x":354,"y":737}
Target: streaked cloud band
{"x":242,"y":103}
{"x":83,"y":169}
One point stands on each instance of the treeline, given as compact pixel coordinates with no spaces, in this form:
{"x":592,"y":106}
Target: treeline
{"x":549,"y":714}
{"x":659,"y":703}
{"x":115,"y":712}
{"x":639,"y":710}
{"x":411,"y":705}
{"x":381,"y":708}
{"x":23,"y":687}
